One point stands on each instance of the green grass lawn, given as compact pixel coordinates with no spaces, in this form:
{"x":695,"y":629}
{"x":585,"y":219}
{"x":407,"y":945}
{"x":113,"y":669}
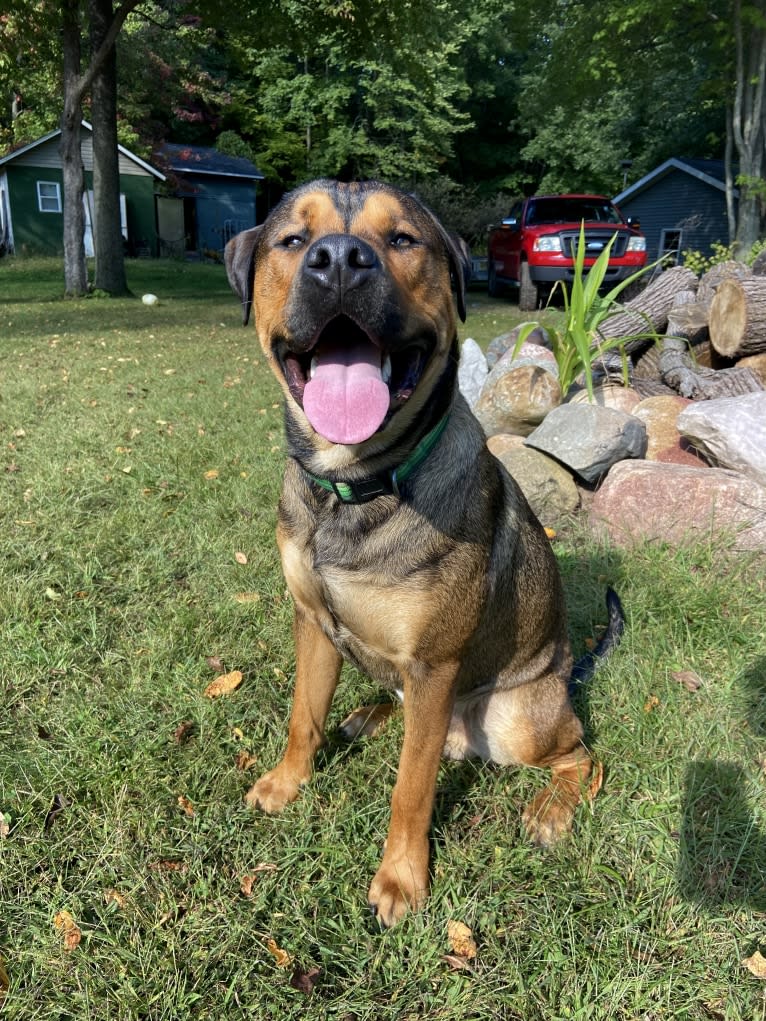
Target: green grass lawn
{"x":141,"y":451}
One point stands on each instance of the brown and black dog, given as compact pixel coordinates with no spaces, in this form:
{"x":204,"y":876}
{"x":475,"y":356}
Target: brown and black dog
{"x":406,"y":546}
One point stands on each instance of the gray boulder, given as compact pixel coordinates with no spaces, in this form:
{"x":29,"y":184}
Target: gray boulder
{"x":472,"y":371}
{"x":589,"y":439}
{"x":550,"y":489}
{"x":731,"y":431}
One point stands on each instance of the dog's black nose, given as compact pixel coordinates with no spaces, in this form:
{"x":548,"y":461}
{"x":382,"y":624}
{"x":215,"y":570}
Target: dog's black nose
{"x":340,"y":262}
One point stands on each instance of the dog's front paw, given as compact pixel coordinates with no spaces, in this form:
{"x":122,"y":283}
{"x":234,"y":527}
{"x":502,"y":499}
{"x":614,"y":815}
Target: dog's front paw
{"x":398,"y":887}
{"x":548,"y":818}
{"x":273,"y":791}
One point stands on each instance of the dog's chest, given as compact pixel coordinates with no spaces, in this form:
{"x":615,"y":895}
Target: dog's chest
{"x":375,"y":615}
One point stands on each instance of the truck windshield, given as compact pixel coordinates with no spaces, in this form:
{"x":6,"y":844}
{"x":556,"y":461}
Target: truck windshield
{"x":565,"y":210}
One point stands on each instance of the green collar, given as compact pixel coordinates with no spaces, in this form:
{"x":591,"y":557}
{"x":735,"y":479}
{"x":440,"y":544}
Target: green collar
{"x":367,"y":489}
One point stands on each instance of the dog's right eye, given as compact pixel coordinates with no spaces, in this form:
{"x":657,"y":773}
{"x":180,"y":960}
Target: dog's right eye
{"x":292,"y":241}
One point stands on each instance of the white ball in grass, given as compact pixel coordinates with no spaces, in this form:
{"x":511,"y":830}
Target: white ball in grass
{"x":150,"y":299}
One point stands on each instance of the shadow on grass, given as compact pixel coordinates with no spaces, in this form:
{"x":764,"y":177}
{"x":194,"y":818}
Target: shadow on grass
{"x":722,"y":861}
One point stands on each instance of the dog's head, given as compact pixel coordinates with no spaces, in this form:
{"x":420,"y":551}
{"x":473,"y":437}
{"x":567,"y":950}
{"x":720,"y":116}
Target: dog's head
{"x":350,"y":284}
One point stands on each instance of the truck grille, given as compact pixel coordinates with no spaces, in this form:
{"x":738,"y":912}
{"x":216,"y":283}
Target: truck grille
{"x":595,"y":242}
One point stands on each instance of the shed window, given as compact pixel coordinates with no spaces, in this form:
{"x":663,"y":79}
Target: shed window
{"x":670,"y":245}
{"x":48,"y":197}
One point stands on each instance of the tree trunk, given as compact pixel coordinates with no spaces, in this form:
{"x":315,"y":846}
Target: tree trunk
{"x":75,"y":268}
{"x":649,"y":310}
{"x":738,"y":317}
{"x":711,"y":280}
{"x":748,"y":118}
{"x":699,"y":383}
{"x":107,"y":239}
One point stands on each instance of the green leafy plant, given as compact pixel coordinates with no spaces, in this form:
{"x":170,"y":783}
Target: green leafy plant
{"x":694,"y":260}
{"x":579,"y":345}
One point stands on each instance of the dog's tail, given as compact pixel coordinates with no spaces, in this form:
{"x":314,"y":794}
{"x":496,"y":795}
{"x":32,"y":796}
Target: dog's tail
{"x":586,"y":666}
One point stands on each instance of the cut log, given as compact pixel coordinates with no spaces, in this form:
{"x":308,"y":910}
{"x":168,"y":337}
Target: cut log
{"x":714,"y":277}
{"x":759,"y":264}
{"x":738,"y":317}
{"x":688,"y":318}
{"x":700,"y":383}
{"x":649,"y":310}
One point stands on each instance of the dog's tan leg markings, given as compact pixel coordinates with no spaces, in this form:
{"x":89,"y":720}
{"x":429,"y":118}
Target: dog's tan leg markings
{"x":533,"y":725}
{"x":366,"y":720}
{"x":317,"y":670}
{"x":548,"y":817}
{"x":401,"y":882}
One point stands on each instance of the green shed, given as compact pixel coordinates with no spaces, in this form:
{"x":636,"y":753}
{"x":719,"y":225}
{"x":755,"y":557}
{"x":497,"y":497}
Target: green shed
{"x":31,"y":198}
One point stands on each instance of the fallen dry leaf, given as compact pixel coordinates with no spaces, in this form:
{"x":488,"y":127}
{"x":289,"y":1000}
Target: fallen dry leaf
{"x":282,"y":958}
{"x":247,"y":597}
{"x":212,"y":474}
{"x":304,"y":981}
{"x":186,"y":806}
{"x":651,"y":703}
{"x":215,"y":663}
{"x":241,"y":558}
{"x":69,"y":929}
{"x":690,"y":680}
{"x":458,"y":963}
{"x":756,"y":964}
{"x":461,"y":940}
{"x":550,"y":532}
{"x":244,"y":760}
{"x":58,"y":806}
{"x":247,"y":882}
{"x":762,"y":761}
{"x":224,"y":684}
{"x":184,"y":731}
{"x":166,"y":865}
{"x":112,"y":896}
{"x":5,"y":826}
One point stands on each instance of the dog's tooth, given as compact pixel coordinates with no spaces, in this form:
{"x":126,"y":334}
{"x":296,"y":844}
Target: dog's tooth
{"x":385,"y":370}
{"x":313,"y":366}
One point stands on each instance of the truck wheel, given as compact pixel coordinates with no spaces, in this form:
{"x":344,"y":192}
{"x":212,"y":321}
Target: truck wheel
{"x":528,"y":296}
{"x":493,"y":287}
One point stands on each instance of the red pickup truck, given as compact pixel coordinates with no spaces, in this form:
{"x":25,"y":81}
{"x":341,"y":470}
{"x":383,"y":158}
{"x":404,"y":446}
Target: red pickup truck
{"x":536,"y":245}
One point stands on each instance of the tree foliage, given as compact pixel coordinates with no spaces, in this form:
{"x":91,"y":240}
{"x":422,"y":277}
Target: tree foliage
{"x":465,"y":101}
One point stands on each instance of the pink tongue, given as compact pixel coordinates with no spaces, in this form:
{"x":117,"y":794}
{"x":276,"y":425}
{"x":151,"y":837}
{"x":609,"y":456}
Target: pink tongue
{"x":346,"y":399}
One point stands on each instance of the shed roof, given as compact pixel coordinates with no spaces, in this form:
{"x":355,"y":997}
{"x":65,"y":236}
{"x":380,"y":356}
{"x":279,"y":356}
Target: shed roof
{"x":199,"y":159}
{"x":710,"y":172}
{"x":22,"y":150}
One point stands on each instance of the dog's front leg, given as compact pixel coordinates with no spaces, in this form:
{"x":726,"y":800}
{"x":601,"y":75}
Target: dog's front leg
{"x":317,"y":668}
{"x":401,"y":882}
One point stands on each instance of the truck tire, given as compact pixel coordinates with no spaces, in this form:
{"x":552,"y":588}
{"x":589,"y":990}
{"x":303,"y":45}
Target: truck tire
{"x":528,"y":295}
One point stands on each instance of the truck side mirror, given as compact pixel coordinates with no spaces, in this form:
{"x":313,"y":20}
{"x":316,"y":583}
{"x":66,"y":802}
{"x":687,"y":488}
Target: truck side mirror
{"x":634,"y":222}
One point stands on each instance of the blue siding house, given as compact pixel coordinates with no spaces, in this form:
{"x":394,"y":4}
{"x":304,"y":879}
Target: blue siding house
{"x":211,"y":197}
{"x":681,"y":204}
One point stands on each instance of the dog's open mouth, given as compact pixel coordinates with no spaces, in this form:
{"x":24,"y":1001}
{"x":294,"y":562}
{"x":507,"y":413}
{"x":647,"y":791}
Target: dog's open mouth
{"x":348,"y":385}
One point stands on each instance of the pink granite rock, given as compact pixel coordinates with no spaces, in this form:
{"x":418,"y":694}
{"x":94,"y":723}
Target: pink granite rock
{"x":641,"y":501}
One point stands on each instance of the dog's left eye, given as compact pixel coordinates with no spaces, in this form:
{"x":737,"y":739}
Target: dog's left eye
{"x":292,"y":241}
{"x":402,"y":240}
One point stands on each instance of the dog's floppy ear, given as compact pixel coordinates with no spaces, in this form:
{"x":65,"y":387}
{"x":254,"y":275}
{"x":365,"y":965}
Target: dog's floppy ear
{"x":239,"y":258}
{"x":459,"y":263}
{"x":460,"y":269}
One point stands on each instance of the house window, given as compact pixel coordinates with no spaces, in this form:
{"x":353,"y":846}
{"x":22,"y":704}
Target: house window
{"x":670,"y":245}
{"x":48,"y":197}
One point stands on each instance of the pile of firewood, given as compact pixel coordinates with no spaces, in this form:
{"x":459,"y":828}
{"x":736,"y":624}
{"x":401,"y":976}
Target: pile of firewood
{"x":711,"y":332}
